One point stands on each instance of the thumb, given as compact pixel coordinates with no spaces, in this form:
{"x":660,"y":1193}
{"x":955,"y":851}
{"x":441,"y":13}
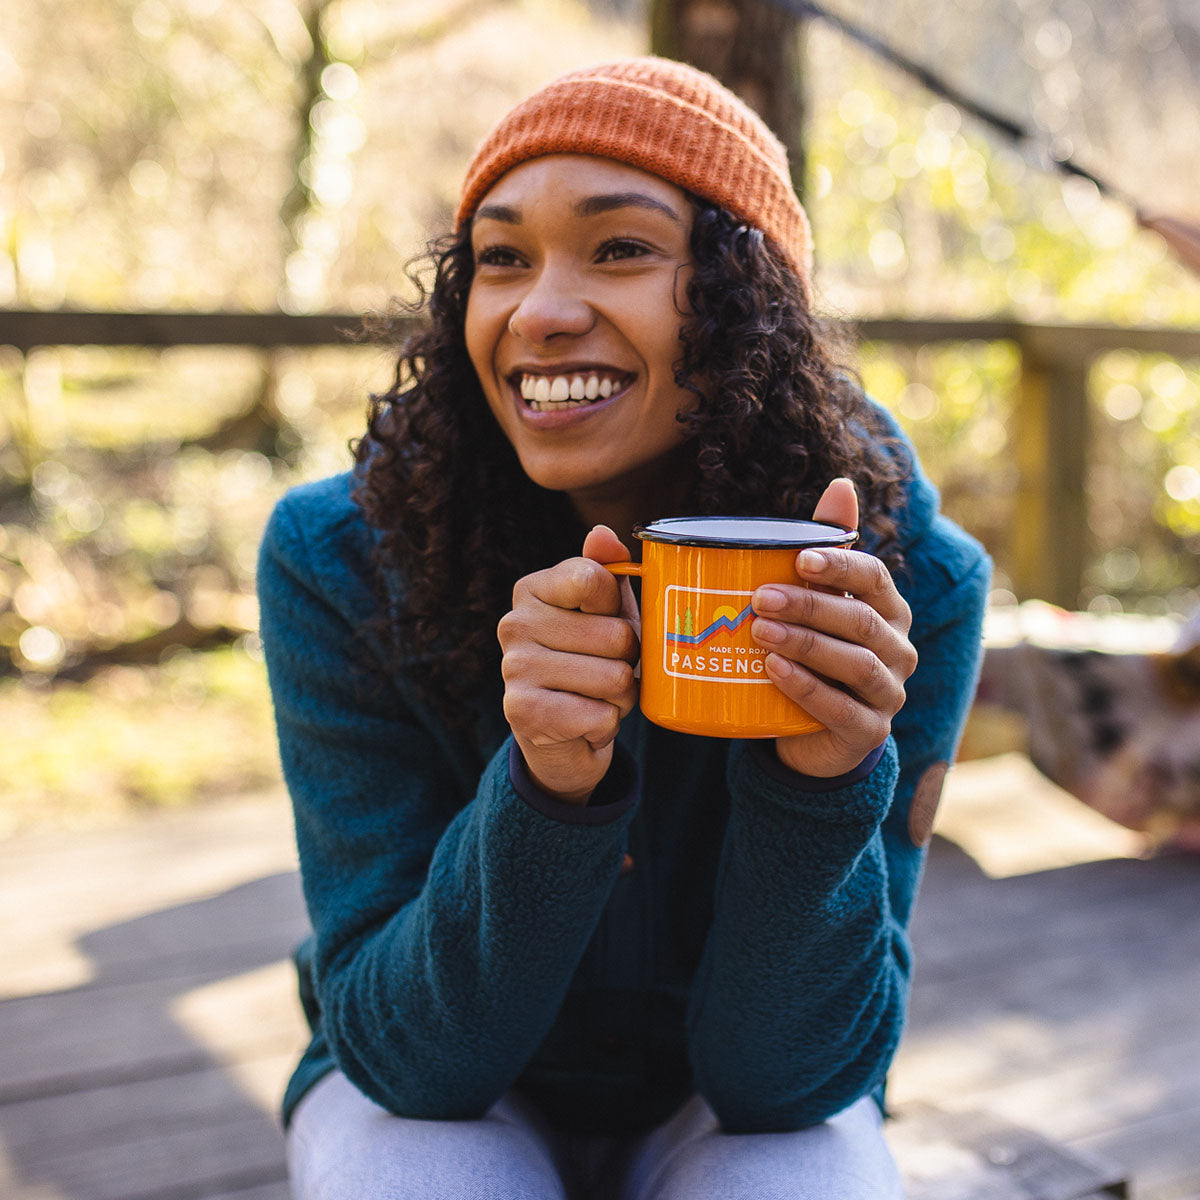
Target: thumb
{"x":603,"y":546}
{"x":838,"y":504}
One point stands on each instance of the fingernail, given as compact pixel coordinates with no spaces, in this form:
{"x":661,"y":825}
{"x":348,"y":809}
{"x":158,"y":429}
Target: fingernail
{"x":812,"y":561}
{"x":768,"y":631}
{"x":768,"y":599}
{"x":780,"y":665}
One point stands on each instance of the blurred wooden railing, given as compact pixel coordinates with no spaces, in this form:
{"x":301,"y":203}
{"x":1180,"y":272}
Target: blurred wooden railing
{"x":1051,"y":541}
{"x":1051,"y":416}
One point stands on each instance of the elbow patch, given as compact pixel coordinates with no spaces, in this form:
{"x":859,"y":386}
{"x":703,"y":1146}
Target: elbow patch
{"x":926,"y":797}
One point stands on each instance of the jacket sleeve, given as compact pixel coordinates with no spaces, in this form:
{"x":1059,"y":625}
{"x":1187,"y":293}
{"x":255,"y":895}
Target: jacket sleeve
{"x":447,"y":921}
{"x":800,"y":998}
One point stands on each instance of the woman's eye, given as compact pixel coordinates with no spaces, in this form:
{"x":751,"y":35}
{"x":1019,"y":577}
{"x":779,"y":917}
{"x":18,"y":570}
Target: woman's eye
{"x":620,"y":248}
{"x":496,"y":256}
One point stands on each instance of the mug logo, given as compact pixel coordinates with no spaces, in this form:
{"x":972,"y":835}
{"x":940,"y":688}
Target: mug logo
{"x":707,"y":636}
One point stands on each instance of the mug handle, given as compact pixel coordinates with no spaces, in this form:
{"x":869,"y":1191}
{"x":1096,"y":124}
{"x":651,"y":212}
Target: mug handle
{"x":623,"y":568}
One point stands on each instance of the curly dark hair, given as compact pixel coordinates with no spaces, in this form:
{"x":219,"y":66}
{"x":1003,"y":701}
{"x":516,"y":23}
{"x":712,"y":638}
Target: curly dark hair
{"x":776,"y":417}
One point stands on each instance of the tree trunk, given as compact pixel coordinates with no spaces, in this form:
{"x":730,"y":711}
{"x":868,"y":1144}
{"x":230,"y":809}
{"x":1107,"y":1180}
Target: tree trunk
{"x":751,"y":46}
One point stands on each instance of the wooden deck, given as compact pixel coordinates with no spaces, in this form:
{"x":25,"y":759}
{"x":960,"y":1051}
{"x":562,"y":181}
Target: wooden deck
{"x":148,"y":1021}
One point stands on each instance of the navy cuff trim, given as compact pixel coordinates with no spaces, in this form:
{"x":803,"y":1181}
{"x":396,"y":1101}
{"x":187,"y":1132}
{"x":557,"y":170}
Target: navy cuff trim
{"x":764,"y":753}
{"x":614,"y":796}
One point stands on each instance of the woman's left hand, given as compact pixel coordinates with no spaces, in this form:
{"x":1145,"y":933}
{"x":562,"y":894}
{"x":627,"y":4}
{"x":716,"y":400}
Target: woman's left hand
{"x":838,"y":647}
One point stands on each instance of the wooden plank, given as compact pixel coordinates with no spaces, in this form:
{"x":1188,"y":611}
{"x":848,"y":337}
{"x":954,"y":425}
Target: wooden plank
{"x":985,"y":1052}
{"x":1050,"y":429}
{"x":1061,"y":1000}
{"x":269,"y":1191}
{"x":27,"y":330}
{"x":77,"y":907}
{"x":160,"y":1078}
{"x":1072,"y":1095}
{"x":1083,"y":343}
{"x":173,"y":986}
{"x":38,"y":1133}
{"x":1031,"y":1162}
{"x":1092,"y":986}
{"x":974,"y":1155}
{"x":967,"y":922}
{"x":1161,"y":1152}
{"x":1065,"y":1000}
{"x":185,"y":1164}
{"x":68,"y":1041}
{"x":1049,"y":342}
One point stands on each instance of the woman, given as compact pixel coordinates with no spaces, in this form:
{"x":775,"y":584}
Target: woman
{"x":559,"y":951}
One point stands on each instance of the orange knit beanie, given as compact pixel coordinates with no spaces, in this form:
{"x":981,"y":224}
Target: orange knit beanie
{"x":666,"y":118}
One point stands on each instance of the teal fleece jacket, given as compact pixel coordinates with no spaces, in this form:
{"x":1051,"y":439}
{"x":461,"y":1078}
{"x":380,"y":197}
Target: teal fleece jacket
{"x":472,"y":935}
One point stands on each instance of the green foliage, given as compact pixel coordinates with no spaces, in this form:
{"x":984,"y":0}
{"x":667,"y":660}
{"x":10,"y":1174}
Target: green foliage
{"x":917,"y":212}
{"x":955,"y":402}
{"x":1145,"y":482}
{"x":199,"y":725}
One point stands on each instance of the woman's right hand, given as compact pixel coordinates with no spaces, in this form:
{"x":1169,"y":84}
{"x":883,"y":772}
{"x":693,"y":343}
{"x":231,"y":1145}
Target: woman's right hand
{"x":570,"y":644}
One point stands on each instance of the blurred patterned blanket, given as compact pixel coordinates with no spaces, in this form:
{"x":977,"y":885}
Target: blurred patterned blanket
{"x":1119,"y":731}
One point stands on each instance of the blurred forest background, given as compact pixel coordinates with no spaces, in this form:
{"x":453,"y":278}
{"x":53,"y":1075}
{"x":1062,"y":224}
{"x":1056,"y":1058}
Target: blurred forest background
{"x":295,"y":154}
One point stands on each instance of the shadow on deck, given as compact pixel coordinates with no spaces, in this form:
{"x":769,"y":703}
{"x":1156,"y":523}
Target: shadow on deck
{"x":149,"y":1022}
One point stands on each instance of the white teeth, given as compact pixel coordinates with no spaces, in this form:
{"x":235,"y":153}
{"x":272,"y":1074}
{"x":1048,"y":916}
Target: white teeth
{"x":545,"y":393}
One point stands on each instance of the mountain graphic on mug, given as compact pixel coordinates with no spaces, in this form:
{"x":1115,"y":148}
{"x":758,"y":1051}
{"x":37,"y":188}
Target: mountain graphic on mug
{"x":725,"y":619}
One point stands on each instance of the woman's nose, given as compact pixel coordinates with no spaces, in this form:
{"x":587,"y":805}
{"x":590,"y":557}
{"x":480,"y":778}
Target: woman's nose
{"x":552,"y":306}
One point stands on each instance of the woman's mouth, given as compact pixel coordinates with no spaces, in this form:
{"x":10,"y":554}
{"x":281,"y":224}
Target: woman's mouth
{"x":576,"y":389}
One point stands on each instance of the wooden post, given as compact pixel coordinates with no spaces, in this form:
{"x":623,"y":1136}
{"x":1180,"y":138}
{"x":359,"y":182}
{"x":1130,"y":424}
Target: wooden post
{"x":751,"y":46}
{"x":1051,"y":425}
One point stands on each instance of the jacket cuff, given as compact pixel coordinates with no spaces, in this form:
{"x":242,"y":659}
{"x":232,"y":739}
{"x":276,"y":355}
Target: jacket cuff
{"x":614,"y":796}
{"x":863,"y":802}
{"x":763,"y":751}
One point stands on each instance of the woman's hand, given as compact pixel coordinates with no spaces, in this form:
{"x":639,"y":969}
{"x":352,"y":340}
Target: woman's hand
{"x":839,"y":647}
{"x":570,"y":643}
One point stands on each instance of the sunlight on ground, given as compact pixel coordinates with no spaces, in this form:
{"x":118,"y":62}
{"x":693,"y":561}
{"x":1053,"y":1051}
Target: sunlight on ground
{"x":234,"y":1018}
{"x":1013,"y":821}
{"x":62,"y":887}
{"x":958,"y":1059}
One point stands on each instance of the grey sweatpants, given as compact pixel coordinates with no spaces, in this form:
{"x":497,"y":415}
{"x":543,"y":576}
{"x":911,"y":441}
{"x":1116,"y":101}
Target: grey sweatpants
{"x":341,"y":1146}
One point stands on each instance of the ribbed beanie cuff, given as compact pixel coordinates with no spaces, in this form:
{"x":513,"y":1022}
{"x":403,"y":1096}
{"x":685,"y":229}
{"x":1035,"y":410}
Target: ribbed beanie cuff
{"x":663,"y":117}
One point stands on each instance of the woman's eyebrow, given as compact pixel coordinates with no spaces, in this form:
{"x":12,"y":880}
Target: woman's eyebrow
{"x":590,"y":206}
{"x":498,"y":212}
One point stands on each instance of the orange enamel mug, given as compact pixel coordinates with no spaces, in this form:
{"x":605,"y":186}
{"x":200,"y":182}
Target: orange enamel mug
{"x":702,"y":672}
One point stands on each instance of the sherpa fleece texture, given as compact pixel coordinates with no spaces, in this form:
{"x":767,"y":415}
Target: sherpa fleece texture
{"x":470,"y":937}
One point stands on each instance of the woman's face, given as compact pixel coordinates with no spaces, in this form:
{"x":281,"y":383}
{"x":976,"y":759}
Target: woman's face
{"x":573,"y":319}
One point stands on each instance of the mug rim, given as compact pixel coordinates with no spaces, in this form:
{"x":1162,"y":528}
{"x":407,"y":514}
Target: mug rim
{"x":815,"y":533}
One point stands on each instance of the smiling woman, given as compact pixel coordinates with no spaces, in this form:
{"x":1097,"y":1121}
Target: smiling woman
{"x":556,"y":947}
{"x":581,"y":266}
